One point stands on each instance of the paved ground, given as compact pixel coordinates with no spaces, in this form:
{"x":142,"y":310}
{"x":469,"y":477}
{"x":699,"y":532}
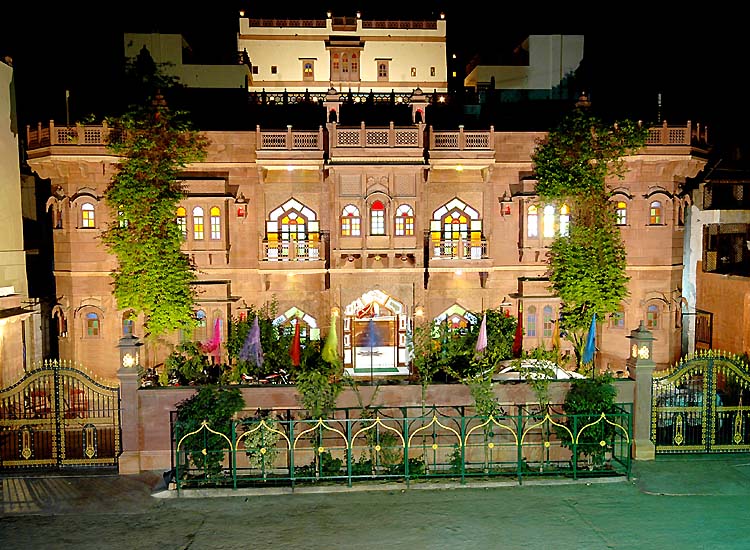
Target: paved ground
{"x":680,"y":502}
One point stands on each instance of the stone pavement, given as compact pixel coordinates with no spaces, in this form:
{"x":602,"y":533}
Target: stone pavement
{"x":683,"y":502}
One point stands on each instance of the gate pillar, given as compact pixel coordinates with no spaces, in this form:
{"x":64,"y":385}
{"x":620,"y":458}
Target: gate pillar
{"x":641,"y":367}
{"x":129,"y":462}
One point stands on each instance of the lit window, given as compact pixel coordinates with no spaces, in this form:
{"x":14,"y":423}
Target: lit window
{"x":215,"y":223}
{"x":547,"y":324}
{"x":652,"y":317}
{"x":182,"y":222}
{"x":655,"y":213}
{"x":532,"y":222}
{"x":531,"y":321}
{"x":377,"y":218}
{"x":548,"y":222}
{"x":307,"y":70}
{"x":350,"y":221}
{"x":92,"y":325}
{"x":564,"y":220}
{"x":198,"y":223}
{"x":87,"y":212}
{"x":404,"y":220}
{"x":414,"y":71}
{"x":432,"y":71}
{"x":621,"y":213}
{"x":292,"y":233}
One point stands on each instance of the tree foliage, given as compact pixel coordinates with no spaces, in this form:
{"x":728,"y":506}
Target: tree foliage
{"x":153,"y":276}
{"x":587,"y":266}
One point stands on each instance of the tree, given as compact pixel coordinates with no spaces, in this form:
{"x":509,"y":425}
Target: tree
{"x":153,"y":276}
{"x":586,"y":265}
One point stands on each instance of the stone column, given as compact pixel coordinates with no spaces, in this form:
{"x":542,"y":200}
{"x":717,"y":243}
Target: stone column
{"x":129,"y":461}
{"x":641,"y":367}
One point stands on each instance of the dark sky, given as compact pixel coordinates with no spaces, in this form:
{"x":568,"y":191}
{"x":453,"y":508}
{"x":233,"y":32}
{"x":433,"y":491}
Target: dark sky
{"x":694,"y":60}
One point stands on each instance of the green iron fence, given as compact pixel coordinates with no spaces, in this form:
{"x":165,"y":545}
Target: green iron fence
{"x":272,"y":451}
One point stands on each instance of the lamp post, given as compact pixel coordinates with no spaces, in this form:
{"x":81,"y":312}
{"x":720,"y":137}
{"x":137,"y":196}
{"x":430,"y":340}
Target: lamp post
{"x":641,"y":365}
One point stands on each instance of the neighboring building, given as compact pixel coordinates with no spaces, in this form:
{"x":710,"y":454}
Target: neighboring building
{"x":384,"y":222}
{"x":20,"y":334}
{"x":544,"y":64}
{"x":345,"y":53}
{"x":168,"y":51}
{"x":716,"y":280}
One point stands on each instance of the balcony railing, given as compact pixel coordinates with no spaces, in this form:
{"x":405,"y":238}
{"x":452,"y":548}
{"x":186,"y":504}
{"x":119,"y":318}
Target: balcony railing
{"x":67,"y":135}
{"x":677,"y":135}
{"x":377,"y":137}
{"x":289,"y":140}
{"x":292,"y":251}
{"x":463,"y":140}
{"x":459,"y":249}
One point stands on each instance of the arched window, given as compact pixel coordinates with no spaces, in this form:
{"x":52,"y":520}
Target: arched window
{"x":92,"y":325}
{"x":215,"y":223}
{"x":617,"y":319}
{"x":344,"y":63}
{"x":621,"y":213}
{"x":564,"y":220}
{"x":456,"y":231}
{"x":532,"y":222}
{"x":652,"y":317}
{"x":382,"y":70}
{"x":655,"y":213}
{"x":351,"y":223}
{"x":335,"y":61}
{"x":87,"y":215}
{"x":128,"y":325}
{"x":404,"y":220}
{"x":182,"y":221}
{"x":355,"y":63}
{"x":377,"y":218}
{"x":201,"y":331}
{"x":548,"y":223}
{"x":122,"y":221}
{"x":293,"y":233}
{"x":547,"y":324}
{"x":198,"y":223}
{"x":531,"y":321}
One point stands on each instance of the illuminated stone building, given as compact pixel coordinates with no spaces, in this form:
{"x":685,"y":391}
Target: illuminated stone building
{"x":387,"y":224}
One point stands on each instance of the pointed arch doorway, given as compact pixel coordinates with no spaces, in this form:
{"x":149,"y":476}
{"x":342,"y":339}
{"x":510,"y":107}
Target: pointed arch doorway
{"x":375,"y":327}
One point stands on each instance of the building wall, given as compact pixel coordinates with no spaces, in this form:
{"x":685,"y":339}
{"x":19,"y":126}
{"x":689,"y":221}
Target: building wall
{"x":490,"y":181}
{"x":728,"y":298}
{"x":19,"y":335}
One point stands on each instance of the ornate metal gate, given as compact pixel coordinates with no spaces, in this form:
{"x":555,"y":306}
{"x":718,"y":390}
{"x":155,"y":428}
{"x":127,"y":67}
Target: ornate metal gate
{"x":699,"y":405}
{"x":58,"y":416}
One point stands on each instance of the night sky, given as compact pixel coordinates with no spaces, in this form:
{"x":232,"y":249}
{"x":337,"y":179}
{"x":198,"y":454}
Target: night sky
{"x":694,"y":60}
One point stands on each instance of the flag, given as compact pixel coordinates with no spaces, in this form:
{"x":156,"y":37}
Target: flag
{"x":588,"y":352}
{"x":251,"y":349}
{"x":295,"y":352}
{"x":518,"y":340}
{"x":213,"y":345}
{"x":330,"y":352}
{"x":482,"y":338}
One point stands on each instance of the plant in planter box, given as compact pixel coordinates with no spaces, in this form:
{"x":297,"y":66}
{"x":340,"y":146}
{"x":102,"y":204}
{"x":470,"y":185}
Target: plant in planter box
{"x":586,"y":400}
{"x":217,"y":406}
